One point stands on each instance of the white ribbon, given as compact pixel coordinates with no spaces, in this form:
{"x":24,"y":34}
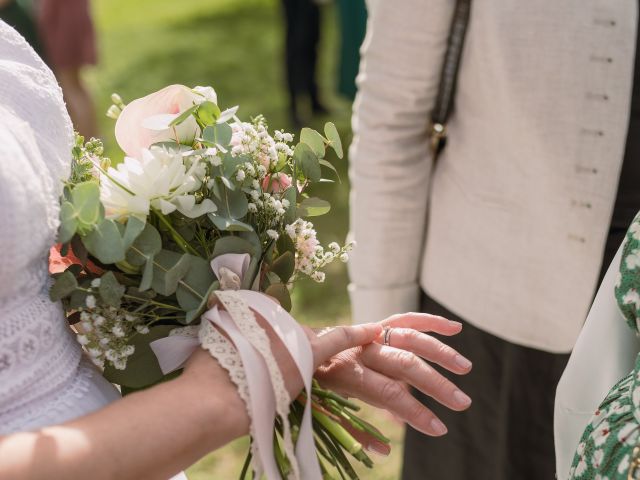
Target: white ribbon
{"x":263,"y":385}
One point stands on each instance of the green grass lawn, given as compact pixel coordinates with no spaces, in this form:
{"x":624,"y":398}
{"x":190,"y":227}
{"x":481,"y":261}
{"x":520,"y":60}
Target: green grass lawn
{"x":235,"y":46}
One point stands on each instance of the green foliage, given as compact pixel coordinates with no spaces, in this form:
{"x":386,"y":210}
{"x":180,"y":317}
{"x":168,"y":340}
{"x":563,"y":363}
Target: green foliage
{"x":333,"y":137}
{"x":208,"y":113}
{"x":192,"y":291}
{"x":142,"y":368}
{"x":308,"y":161}
{"x":110,"y":290}
{"x":105,"y":242}
{"x":314,"y":140}
{"x":169,"y":268}
{"x":64,"y":285}
{"x":313,"y":207}
{"x":217,"y":134}
{"x":284,"y":266}
{"x":280,"y":292}
{"x":81,"y":210}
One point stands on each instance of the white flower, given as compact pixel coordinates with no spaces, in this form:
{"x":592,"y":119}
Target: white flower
{"x":273,"y":234}
{"x":118,"y":331}
{"x":581,"y":468}
{"x":142,"y":329}
{"x":240,"y":176}
{"x":285,"y":203}
{"x":95,"y":283}
{"x":598,"y":455}
{"x":334,"y":247}
{"x":90,"y":301}
{"x":318,"y":276}
{"x":631,"y":297}
{"x":87,"y":326}
{"x":623,"y":466}
{"x":633,"y":259}
{"x":635,"y":230}
{"x":83,"y":340}
{"x":159,"y":179}
{"x":344,"y":258}
{"x":252,"y":208}
{"x":205,"y":94}
{"x":216,"y":161}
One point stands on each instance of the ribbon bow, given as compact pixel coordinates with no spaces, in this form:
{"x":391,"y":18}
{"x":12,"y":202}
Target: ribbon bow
{"x":264,"y":391}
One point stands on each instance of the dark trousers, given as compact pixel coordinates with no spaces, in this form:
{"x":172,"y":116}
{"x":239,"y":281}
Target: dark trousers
{"x":507,"y":434}
{"x":302,"y":19}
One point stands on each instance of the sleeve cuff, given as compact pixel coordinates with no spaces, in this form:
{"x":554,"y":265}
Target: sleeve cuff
{"x":375,"y":304}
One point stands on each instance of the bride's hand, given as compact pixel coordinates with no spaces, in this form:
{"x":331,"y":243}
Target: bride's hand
{"x":377,"y":373}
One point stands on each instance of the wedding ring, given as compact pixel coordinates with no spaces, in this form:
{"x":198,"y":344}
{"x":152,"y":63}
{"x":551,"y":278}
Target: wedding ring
{"x":387,"y":336}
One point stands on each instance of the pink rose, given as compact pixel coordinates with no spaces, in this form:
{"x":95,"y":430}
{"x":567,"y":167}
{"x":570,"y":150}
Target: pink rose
{"x":276,"y":183}
{"x":145,"y":121}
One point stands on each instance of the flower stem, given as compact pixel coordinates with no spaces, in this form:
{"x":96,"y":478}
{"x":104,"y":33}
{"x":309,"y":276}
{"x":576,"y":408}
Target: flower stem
{"x":179,"y":239}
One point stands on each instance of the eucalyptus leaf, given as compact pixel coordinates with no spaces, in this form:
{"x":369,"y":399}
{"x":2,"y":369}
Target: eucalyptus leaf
{"x":86,"y":203}
{"x":147,"y":244}
{"x":281,"y":293}
{"x":291,"y":195}
{"x":147,"y":275}
{"x":105,"y":242}
{"x":308,"y":162}
{"x":168,"y":269}
{"x":68,"y":222}
{"x":195,"y":284}
{"x":314,"y":140}
{"x":231,"y":204}
{"x":331,"y":132}
{"x":285,"y":244}
{"x":64,"y":285}
{"x":142,"y":368}
{"x":233,"y":244}
{"x":314,"y":207}
{"x":110,"y":290}
{"x":134,"y":227}
{"x":218,"y":134}
{"x":230,"y":164}
{"x":284,"y":266}
{"x":194,"y":314}
{"x":330,"y":166}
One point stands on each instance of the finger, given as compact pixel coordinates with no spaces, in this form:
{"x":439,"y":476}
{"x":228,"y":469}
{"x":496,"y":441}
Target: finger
{"x":423,"y":322}
{"x":407,"y":367}
{"x":389,"y":394}
{"x":429,"y":348}
{"x":335,"y":340}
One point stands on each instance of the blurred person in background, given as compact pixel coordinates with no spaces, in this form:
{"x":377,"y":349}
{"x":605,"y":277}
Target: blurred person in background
{"x":530,"y":198}
{"x":19,"y":14}
{"x":302,"y":25}
{"x":352,"y":15}
{"x":68,"y":38}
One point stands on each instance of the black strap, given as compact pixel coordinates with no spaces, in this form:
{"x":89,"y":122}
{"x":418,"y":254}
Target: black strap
{"x":448,"y":77}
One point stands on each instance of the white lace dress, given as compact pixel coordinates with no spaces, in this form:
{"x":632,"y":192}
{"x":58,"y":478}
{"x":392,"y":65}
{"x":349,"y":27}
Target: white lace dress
{"x":43,"y":377}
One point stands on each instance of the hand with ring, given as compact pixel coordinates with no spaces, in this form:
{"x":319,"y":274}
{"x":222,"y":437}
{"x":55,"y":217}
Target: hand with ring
{"x":377,"y":373}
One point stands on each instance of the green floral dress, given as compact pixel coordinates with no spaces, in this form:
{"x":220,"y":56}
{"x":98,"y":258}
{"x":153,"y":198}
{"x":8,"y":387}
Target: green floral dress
{"x":610,"y":445}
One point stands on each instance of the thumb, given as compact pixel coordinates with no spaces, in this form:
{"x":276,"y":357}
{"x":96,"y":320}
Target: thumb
{"x":334,"y":340}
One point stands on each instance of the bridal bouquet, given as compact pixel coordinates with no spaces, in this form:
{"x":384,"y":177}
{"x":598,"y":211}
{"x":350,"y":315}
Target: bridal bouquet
{"x":181,"y":239}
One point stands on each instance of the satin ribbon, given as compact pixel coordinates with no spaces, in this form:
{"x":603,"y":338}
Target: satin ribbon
{"x":173,"y":351}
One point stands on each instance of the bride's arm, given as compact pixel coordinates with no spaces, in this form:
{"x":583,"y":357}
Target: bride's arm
{"x":158,"y":432}
{"x":151,"y":434}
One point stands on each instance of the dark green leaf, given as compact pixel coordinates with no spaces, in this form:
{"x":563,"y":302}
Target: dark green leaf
{"x":233,"y":244}
{"x":64,"y":285}
{"x":285,"y":244}
{"x":168,"y":269}
{"x":314,"y":207}
{"x":110,"y":290}
{"x":314,"y":140}
{"x":147,"y":244}
{"x":143,"y":368}
{"x":280,"y":292}
{"x":193,"y":288}
{"x":291,"y":195}
{"x":308,"y":162}
{"x":284,"y":266}
{"x":331,"y":132}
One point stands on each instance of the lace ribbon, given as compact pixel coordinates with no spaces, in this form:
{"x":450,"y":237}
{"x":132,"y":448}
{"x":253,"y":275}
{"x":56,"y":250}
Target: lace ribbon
{"x":248,"y":358}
